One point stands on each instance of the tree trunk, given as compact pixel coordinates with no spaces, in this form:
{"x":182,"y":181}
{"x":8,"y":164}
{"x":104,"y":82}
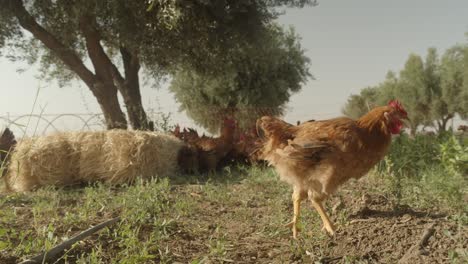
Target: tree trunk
{"x":442,"y":125}
{"x":105,"y":94}
{"x":105,"y":90}
{"x":109,"y":103}
{"x":106,"y":80}
{"x":439,"y":127}
{"x":129,"y":88}
{"x":135,"y":111}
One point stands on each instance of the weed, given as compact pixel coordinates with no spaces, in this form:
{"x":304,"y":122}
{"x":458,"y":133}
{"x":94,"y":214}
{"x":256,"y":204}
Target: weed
{"x":236,"y":215}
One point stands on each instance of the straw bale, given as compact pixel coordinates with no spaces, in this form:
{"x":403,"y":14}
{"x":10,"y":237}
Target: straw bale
{"x":116,"y":156}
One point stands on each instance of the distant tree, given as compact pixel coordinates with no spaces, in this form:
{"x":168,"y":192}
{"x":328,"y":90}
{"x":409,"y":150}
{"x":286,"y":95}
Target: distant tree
{"x":388,"y":89}
{"x":413,"y":92}
{"x":452,"y":99}
{"x":444,"y":79}
{"x":359,"y":104}
{"x":464,"y":93}
{"x":256,"y":80}
{"x":118,"y":38}
{"x":433,"y":87}
{"x":433,"y":91}
{"x":370,"y":97}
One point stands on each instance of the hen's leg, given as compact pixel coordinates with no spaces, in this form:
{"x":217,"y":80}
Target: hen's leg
{"x":297,"y":198}
{"x":327,"y":224}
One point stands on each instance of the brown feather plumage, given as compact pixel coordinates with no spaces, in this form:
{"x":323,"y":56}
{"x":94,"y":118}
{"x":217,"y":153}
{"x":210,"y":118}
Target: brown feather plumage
{"x":213,"y":150}
{"x":317,"y":157}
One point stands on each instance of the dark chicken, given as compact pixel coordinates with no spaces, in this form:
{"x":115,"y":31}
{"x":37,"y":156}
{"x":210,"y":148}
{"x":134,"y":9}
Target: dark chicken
{"x":210,"y":151}
{"x":7,"y":144}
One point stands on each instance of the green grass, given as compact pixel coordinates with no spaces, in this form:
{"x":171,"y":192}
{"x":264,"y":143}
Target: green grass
{"x":201,"y":219}
{"x":434,"y":187}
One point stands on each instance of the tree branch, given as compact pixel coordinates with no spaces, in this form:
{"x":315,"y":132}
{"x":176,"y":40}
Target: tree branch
{"x":416,"y":250}
{"x":130,"y":89}
{"x":131,"y":67}
{"x":69,"y":57}
{"x":131,"y":63}
{"x":50,"y":255}
{"x":106,"y":70}
{"x":445,"y":119}
{"x":102,"y":64}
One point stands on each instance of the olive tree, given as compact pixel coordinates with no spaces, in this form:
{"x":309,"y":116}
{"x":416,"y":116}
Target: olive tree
{"x":107,"y":44}
{"x":256,"y":80}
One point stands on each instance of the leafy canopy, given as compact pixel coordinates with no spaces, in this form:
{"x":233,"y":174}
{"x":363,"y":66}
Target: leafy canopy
{"x":432,"y":90}
{"x":165,"y":32}
{"x":254,"y":80}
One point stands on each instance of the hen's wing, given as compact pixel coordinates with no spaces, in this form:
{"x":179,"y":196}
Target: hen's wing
{"x":310,"y":141}
{"x":274,"y":134}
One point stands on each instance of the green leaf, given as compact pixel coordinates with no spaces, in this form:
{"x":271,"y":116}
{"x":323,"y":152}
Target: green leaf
{"x":4,"y":245}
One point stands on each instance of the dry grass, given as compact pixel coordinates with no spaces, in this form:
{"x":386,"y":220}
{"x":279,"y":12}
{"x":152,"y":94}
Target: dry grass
{"x":236,"y":216}
{"x":115,"y":156}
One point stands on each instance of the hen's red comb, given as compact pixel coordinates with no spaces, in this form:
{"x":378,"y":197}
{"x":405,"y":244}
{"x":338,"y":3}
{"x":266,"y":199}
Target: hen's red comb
{"x":397,"y":105}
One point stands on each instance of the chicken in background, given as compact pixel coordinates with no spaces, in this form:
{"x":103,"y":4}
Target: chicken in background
{"x":177,"y":132}
{"x":187,"y":135}
{"x":245,"y":145}
{"x":7,"y":144}
{"x":462,"y":128}
{"x":317,"y":157}
{"x":213,"y":150}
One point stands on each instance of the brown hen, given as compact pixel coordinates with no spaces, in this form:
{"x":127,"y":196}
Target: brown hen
{"x":317,"y":157}
{"x":213,"y":150}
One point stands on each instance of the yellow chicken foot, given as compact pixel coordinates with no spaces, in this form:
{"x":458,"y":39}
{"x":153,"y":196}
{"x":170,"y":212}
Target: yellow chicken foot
{"x":297,"y":197}
{"x":327,"y":224}
{"x":294,"y":228}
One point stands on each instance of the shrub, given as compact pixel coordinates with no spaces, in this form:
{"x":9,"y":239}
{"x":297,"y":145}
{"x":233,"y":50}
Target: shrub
{"x":410,"y":155}
{"x":434,"y":165}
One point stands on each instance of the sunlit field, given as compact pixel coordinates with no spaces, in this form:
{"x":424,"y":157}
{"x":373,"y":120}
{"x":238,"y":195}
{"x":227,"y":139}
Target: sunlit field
{"x":238,"y":215}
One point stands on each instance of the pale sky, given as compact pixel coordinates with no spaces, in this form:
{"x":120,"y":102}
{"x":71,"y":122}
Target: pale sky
{"x":351,"y":44}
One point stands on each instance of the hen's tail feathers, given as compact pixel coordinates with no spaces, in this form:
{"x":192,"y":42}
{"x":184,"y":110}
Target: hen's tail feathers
{"x":7,"y":144}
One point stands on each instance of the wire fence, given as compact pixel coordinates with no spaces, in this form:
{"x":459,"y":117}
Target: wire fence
{"x":40,"y":124}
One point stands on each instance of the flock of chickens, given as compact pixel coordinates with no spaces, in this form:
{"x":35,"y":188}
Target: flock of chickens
{"x":232,"y":146}
{"x":315,"y":157}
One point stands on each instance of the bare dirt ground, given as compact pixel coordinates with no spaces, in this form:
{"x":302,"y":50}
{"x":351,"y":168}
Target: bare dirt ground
{"x":374,"y":232}
{"x":242,"y":221}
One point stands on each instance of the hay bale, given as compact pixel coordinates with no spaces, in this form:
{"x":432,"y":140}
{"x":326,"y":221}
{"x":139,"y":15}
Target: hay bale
{"x":116,"y":156}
